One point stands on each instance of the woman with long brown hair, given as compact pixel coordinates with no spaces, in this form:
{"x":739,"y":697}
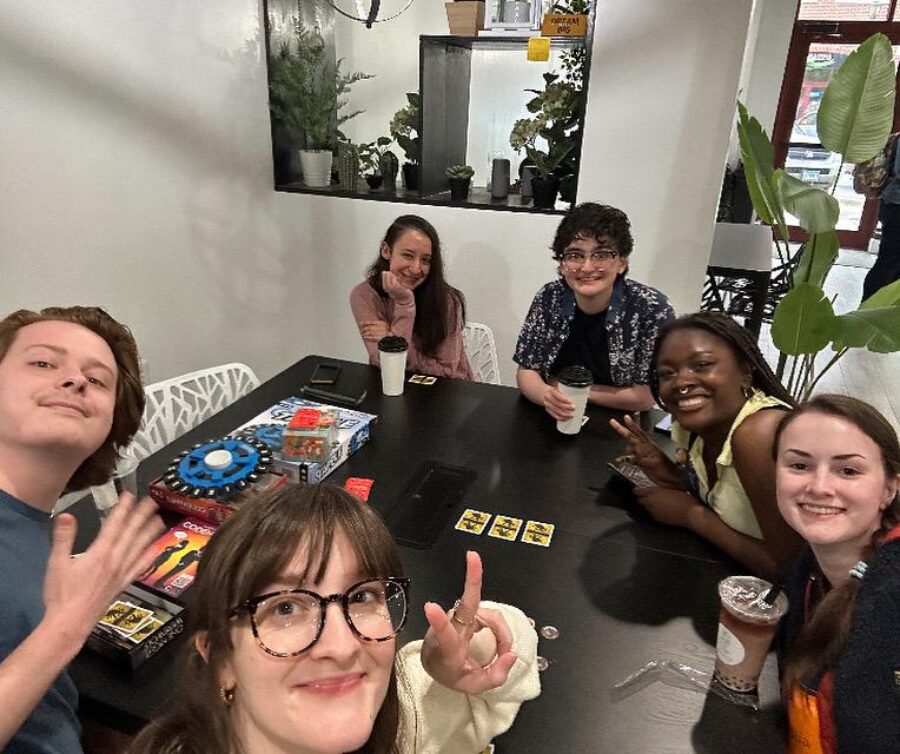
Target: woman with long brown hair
{"x":837,"y":481}
{"x":405,"y":294}
{"x":274,"y":666}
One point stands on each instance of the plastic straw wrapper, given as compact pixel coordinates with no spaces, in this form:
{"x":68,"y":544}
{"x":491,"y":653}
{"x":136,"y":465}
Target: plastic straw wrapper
{"x":678,"y":675}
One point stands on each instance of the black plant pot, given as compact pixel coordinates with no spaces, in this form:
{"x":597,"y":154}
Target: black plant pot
{"x":459,"y":189}
{"x":544,"y":190}
{"x":374,"y":182}
{"x":411,"y":176}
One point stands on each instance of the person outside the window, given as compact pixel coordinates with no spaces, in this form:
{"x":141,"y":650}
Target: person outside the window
{"x":592,"y":316}
{"x":887,"y":265}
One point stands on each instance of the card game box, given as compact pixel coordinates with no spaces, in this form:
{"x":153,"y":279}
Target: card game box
{"x":211,"y":508}
{"x":352,"y":430}
{"x":136,"y":626}
{"x":177,"y":554}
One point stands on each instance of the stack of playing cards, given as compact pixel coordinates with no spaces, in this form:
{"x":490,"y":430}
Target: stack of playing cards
{"x":136,"y":625}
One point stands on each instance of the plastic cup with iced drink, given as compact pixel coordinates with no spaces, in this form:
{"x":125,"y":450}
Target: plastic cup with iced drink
{"x":746,"y":627}
{"x":392,"y":353}
{"x":575,"y":383}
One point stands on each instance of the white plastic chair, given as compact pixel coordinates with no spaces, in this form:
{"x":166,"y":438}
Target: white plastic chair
{"x":478,"y":341}
{"x":179,"y":404}
{"x":173,"y":407}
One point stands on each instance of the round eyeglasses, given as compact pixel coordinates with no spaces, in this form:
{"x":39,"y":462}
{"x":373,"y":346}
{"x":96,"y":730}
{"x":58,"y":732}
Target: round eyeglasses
{"x":289,"y":622}
{"x":575,"y":260}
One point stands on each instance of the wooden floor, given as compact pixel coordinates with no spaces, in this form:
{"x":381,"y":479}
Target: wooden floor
{"x":872,"y":377}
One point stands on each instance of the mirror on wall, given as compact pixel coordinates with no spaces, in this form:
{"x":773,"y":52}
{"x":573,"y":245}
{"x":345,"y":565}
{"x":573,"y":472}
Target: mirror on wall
{"x":393,"y":112}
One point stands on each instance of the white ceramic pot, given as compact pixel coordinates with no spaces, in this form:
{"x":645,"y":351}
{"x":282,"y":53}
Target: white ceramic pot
{"x":316,"y":166}
{"x":516,"y":11}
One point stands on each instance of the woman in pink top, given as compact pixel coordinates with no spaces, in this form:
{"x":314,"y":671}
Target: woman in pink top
{"x":405,"y":294}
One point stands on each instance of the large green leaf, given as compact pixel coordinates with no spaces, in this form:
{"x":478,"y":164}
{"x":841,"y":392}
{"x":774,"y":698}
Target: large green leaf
{"x":858,"y":105}
{"x":759,"y":161}
{"x":889,"y":295}
{"x":815,"y":210}
{"x":876,"y":329}
{"x":819,"y":253}
{"x":802,"y":322}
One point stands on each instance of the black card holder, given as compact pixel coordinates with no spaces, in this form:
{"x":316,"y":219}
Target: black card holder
{"x":428,"y":503}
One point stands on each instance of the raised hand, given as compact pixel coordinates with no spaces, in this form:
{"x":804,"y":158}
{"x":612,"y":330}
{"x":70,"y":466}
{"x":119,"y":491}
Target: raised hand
{"x":453,"y":653}
{"x":394,"y":288}
{"x":78,"y":591}
{"x":644,"y":453}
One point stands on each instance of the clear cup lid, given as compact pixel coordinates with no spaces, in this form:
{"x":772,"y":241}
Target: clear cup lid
{"x":393,"y":344}
{"x":744,"y":597}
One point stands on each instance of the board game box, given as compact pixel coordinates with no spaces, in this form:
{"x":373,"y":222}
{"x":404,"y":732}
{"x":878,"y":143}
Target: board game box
{"x":352,"y":430}
{"x":177,"y":553}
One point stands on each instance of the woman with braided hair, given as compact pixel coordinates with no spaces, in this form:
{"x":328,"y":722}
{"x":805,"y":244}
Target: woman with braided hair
{"x":837,"y":479}
{"x":726,"y":404}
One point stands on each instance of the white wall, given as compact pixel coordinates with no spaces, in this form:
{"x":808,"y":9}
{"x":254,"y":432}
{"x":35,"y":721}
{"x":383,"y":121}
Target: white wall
{"x":136,"y":174}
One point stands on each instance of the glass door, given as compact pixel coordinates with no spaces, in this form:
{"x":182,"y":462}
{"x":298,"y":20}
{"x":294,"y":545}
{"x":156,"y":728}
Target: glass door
{"x":817,"y":51}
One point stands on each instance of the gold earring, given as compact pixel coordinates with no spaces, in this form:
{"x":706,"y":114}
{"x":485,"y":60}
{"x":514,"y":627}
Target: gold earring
{"x":226,"y":695}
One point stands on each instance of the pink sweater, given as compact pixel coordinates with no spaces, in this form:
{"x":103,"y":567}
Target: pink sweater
{"x":450,"y":358}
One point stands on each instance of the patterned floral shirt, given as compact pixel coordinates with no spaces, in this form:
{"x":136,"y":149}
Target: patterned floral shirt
{"x":635,"y":315}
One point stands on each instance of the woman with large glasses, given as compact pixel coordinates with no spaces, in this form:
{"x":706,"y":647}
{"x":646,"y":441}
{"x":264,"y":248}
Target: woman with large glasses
{"x":296,"y":609}
{"x":592,"y":316}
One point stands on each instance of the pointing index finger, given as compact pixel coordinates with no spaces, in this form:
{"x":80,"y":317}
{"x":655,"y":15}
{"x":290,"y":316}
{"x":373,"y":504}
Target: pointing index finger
{"x":471,"y":598}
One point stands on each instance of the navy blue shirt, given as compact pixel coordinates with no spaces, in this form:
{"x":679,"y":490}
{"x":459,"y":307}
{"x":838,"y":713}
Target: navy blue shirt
{"x":52,"y":728}
{"x":634,"y":317}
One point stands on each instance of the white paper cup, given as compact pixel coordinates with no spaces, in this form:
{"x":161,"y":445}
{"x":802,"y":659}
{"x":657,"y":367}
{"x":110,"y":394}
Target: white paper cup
{"x":392,"y":352}
{"x":575,"y":383}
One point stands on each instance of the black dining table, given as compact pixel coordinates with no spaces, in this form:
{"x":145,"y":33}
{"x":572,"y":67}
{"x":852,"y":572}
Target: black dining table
{"x":620,"y":589}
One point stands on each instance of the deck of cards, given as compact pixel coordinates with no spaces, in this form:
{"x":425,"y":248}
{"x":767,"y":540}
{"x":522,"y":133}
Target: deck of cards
{"x":505,"y":527}
{"x":422,"y":379}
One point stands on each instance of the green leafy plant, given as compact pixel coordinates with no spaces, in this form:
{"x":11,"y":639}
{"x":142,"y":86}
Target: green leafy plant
{"x":370,"y":154}
{"x":404,"y":127}
{"x":308,"y":92}
{"x":854,"y":120}
{"x":460,"y":171}
{"x":557,"y":112}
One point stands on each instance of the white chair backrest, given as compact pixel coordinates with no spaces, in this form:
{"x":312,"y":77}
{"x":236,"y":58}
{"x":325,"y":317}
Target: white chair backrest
{"x":482,"y":352}
{"x":179,"y":404}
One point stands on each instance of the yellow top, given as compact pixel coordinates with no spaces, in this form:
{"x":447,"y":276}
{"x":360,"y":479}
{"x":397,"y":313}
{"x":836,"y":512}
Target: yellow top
{"x":727,"y":497}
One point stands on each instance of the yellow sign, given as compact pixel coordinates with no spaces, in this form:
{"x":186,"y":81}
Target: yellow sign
{"x":564,"y":25}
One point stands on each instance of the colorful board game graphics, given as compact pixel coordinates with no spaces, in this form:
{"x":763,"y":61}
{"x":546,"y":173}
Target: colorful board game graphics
{"x":309,"y":435}
{"x":473,"y":521}
{"x":218,"y":468}
{"x":178,"y":552}
{"x":505,"y":527}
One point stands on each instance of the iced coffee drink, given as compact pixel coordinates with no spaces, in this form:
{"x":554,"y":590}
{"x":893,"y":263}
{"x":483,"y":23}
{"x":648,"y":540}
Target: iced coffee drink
{"x":746,"y":627}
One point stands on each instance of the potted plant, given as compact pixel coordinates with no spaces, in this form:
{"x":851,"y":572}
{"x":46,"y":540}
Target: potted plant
{"x":557,"y":110}
{"x":465,"y":17}
{"x":404,"y":130}
{"x":370,"y":154}
{"x":460,"y":179}
{"x":307,"y":93}
{"x":854,"y":120}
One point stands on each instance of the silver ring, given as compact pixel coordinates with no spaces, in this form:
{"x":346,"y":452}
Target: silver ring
{"x":456,"y":619}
